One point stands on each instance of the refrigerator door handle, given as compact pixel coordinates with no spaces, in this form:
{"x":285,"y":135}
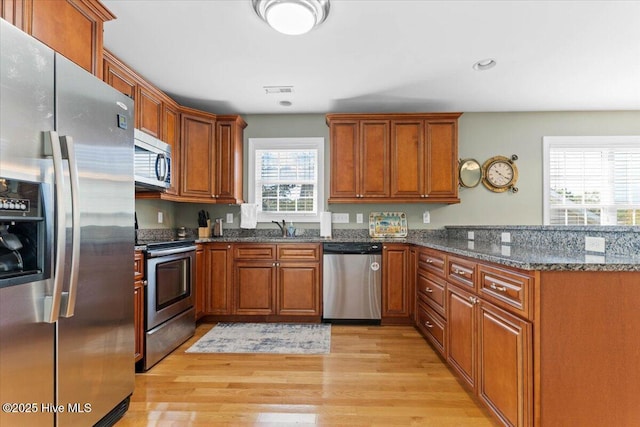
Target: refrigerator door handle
{"x":52,"y":302}
{"x":68,"y":151}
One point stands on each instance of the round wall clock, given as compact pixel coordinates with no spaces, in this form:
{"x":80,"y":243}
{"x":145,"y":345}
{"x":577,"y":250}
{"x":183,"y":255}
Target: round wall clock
{"x":500,"y":174}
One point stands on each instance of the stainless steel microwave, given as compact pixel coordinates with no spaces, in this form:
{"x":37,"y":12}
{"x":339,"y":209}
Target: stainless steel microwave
{"x":152,"y":162}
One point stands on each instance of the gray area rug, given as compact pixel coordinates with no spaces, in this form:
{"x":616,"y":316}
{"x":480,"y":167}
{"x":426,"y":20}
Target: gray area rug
{"x":280,"y":338}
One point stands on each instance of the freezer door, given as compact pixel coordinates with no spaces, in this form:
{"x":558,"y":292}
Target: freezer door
{"x":26,"y":342}
{"x":96,"y":342}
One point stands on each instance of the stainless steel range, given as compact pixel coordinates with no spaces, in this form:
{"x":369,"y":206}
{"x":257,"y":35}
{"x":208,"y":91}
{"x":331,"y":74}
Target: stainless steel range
{"x":169,"y":311}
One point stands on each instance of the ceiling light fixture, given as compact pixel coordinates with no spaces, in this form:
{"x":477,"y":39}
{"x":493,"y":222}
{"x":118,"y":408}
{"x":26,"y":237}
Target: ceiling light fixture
{"x":484,"y":64}
{"x":292,"y":17}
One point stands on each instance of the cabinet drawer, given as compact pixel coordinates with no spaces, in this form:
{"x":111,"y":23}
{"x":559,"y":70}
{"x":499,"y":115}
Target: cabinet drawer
{"x":507,"y":289}
{"x":432,"y":261}
{"x":432,"y":288}
{"x":138,"y":265}
{"x":298,"y":252}
{"x":432,"y":326}
{"x":462,"y":272}
{"x":254,"y":251}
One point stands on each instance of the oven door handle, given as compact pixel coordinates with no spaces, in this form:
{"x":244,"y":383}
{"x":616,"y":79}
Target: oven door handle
{"x":166,"y":252}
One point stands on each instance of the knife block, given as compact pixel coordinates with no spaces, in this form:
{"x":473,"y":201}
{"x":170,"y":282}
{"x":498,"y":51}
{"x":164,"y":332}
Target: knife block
{"x":204,"y":232}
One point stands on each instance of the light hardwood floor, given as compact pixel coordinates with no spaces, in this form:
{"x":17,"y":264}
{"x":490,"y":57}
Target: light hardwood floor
{"x":374,"y":376}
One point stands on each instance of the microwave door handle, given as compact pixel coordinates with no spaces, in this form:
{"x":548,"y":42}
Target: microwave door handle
{"x":161,"y":167}
{"x":52,"y":302}
{"x":70,"y":153}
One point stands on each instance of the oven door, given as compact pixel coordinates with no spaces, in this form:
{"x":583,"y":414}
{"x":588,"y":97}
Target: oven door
{"x":169,"y":284}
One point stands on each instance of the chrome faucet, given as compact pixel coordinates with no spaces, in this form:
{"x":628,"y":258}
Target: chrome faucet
{"x":282,"y":227}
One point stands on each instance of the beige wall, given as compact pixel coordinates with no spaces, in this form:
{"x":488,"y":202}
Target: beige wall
{"x":481,"y":136}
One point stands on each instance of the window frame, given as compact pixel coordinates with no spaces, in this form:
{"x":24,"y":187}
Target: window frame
{"x":288,"y":143}
{"x":572,"y":142}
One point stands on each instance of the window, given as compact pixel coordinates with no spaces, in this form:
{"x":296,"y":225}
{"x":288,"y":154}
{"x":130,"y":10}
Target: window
{"x":286,"y":178}
{"x":592,"y":180}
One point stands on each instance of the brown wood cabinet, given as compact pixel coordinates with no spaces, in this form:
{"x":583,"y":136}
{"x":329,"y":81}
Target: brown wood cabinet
{"x":138,"y":304}
{"x":218,"y":282}
{"x":396,"y":295}
{"x":71,"y":27}
{"x":277,"y":280}
{"x":401,"y":158}
{"x":199,"y":284}
{"x":148,"y":110}
{"x":198,"y":132}
{"x":171,"y":135}
{"x":229,"y":157}
{"x":476,"y":315}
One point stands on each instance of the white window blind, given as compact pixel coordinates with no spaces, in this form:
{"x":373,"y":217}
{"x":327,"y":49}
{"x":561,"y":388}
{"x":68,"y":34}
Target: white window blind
{"x":285,"y":178}
{"x":592,"y":180}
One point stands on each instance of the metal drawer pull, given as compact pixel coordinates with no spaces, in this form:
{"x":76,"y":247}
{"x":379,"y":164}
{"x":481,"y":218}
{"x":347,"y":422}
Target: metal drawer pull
{"x":428,"y":325}
{"x":429,"y":261}
{"x":498,"y":288}
{"x":428,"y":290}
{"x":473,"y":300}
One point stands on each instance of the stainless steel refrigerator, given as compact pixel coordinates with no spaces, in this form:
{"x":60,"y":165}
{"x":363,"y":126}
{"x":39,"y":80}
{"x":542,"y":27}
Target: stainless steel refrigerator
{"x":66,"y":240}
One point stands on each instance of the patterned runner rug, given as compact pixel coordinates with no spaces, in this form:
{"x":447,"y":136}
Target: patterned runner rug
{"x":280,"y":338}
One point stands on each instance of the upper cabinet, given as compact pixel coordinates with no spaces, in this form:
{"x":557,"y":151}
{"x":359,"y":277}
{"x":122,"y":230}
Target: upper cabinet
{"x":70,"y":27}
{"x":206,"y":149}
{"x":394,"y":158}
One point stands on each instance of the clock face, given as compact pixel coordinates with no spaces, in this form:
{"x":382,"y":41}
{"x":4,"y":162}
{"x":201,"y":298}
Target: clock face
{"x":500,"y":174}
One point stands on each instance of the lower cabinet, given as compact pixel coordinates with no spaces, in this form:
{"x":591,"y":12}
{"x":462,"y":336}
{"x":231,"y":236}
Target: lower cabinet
{"x":218,"y":260}
{"x":488,"y":344}
{"x":396,"y":295}
{"x":138,"y":304}
{"x":277,"y":280}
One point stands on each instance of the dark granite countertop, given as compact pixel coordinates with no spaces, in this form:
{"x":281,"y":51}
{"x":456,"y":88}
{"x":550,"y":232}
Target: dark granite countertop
{"x":514,"y":255}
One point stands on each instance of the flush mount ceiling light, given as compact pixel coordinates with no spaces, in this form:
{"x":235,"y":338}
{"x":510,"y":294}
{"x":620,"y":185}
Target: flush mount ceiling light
{"x":484,"y":64}
{"x":292,"y":17}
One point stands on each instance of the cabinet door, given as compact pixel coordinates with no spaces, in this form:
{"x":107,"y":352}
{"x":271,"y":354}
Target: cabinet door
{"x":118,"y":77}
{"x":299,"y":288}
{"x":229,"y":160}
{"x":171,"y":135}
{"x":505,"y":370}
{"x":218,"y":288}
{"x":255,"y":287}
{"x":395,"y":289}
{"x":461,"y":333}
{"x":345,"y":159}
{"x":197,"y":157}
{"x":374,"y":159}
{"x":71,"y":27}
{"x":138,"y":318}
{"x":441,"y":159}
{"x":407,"y":154}
{"x":148,"y":111}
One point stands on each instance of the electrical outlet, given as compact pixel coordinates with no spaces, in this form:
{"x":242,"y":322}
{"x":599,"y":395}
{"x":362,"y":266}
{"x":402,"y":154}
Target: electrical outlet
{"x":229,"y":218}
{"x":426,"y":217}
{"x":506,"y":238}
{"x":359,"y":218}
{"x":470,"y":235}
{"x":340,"y":218}
{"x":160,"y":217}
{"x":594,"y":244}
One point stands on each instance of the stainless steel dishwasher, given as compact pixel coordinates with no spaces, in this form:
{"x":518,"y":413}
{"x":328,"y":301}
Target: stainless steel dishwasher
{"x":352,"y":282}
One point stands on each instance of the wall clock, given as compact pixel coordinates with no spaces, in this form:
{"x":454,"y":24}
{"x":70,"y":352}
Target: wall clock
{"x":500,"y":174}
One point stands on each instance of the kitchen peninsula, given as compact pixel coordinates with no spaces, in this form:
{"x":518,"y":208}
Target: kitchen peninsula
{"x":532,"y":330}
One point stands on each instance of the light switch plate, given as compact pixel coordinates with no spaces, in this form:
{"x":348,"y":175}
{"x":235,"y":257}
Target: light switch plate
{"x":470,"y":235}
{"x":359,"y":218}
{"x":229,"y":218}
{"x":160,"y":217}
{"x":426,"y":217}
{"x":506,"y":237}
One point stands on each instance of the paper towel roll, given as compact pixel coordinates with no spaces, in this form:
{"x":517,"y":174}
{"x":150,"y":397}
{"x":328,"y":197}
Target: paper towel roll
{"x":325,"y":224}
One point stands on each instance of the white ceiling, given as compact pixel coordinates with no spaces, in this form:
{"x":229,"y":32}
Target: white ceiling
{"x":386,"y":55}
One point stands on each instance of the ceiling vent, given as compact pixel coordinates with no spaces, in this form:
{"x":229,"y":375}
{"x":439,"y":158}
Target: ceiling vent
{"x":278,"y":90}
